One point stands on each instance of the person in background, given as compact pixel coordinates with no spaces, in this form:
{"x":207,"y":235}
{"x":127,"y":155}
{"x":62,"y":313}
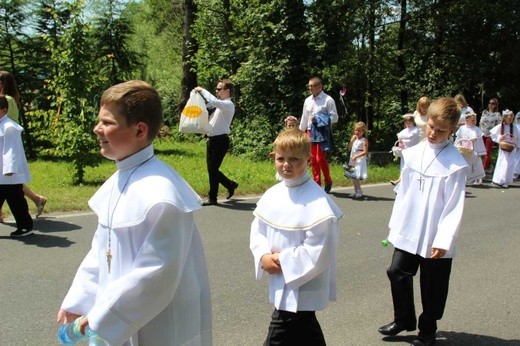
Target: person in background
{"x":406,"y":138}
{"x":425,"y":221}
{"x":218,"y":142}
{"x":358,"y":146}
{"x":464,"y":108}
{"x":9,"y":88}
{"x":507,"y":133}
{"x":291,"y":122}
{"x":420,"y":116}
{"x":490,"y":118}
{"x":294,"y":237}
{"x":470,"y":132}
{"x":145,"y":280}
{"x":316,"y":107}
{"x":15,"y":171}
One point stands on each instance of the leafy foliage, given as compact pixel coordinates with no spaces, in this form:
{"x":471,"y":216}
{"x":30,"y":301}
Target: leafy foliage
{"x":74,"y":88}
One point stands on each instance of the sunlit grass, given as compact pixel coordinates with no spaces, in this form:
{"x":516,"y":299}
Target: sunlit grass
{"x":53,"y":179}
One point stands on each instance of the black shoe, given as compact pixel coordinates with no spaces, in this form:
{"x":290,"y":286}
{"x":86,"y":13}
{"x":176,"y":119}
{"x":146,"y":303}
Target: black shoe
{"x":394,"y":329}
{"x":231,"y":190}
{"x":424,"y":340}
{"x":210,"y":202}
{"x":328,"y":187}
{"x":21,"y":233}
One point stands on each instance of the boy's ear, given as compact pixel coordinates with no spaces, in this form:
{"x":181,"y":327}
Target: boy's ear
{"x":141,"y":130}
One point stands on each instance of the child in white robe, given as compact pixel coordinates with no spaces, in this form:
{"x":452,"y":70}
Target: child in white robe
{"x":505,"y":132}
{"x":358,"y":168}
{"x":406,"y":138}
{"x":470,"y":132}
{"x":145,"y":280}
{"x":516,"y":173}
{"x":425,"y":221}
{"x":293,"y":238}
{"x":14,"y":171}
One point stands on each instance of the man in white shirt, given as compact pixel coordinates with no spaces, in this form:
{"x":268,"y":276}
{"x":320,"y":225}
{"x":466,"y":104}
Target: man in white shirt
{"x":218,"y":138}
{"x":318,"y":103}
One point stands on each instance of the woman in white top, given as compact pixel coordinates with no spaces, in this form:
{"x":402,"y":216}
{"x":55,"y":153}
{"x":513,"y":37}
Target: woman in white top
{"x":420,"y":117}
{"x":464,"y":108}
{"x":490,"y":118}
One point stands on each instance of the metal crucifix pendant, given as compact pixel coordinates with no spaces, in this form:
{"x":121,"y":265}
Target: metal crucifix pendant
{"x":421,"y":179}
{"x":109,"y":259}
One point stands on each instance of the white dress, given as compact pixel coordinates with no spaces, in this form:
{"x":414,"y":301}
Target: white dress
{"x":12,"y":158}
{"x":300,"y":221}
{"x":475,"y":165}
{"x":506,"y":161}
{"x":157,"y":291}
{"x":408,"y":137}
{"x":516,"y":172}
{"x":360,"y":164}
{"x":428,"y":207}
{"x":420,"y":121}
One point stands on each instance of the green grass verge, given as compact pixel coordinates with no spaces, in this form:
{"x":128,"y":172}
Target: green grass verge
{"x":53,"y":179}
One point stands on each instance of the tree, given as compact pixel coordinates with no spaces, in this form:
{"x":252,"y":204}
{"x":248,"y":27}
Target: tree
{"x":111,"y":32}
{"x":74,"y":88}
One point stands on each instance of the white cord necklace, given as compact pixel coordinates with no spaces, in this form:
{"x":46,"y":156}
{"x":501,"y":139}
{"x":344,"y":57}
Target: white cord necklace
{"x":422,"y":173}
{"x":111,"y":219}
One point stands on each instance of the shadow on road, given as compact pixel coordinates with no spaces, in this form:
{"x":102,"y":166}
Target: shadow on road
{"x":456,"y":338}
{"x":365,"y":197}
{"x":42,"y":240}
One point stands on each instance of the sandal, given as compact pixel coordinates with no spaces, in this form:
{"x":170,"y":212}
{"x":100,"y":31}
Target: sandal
{"x":40,"y":206}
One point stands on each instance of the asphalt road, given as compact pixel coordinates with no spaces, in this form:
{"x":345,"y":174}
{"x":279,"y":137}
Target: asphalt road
{"x":483,"y":305}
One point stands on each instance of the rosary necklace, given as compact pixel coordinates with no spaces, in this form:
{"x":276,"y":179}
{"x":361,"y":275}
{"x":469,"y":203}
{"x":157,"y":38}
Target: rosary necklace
{"x":109,"y":249}
{"x":422,"y":173}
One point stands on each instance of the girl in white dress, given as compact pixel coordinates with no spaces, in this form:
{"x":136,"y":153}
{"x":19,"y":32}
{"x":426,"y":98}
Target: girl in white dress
{"x":502,"y":134}
{"x":464,"y":108}
{"x":357,"y":167}
{"x":420,"y":115}
{"x":407,"y":138}
{"x":472,"y":133}
{"x":517,"y":164}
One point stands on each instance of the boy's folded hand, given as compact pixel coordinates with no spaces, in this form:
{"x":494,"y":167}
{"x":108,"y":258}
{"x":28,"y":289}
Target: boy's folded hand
{"x":271,"y":264}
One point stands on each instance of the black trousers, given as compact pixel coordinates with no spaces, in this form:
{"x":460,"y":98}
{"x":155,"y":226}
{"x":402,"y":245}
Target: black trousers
{"x":434,"y":281}
{"x":14,"y":196}
{"x":294,"y":329}
{"x":216,"y":149}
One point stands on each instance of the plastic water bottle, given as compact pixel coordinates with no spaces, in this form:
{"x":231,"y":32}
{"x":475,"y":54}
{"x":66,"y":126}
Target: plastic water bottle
{"x":70,"y":333}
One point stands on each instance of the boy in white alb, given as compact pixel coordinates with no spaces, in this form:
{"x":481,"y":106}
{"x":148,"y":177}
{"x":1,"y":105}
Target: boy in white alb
{"x":293,"y":238}
{"x":144,"y":281}
{"x":425,"y":221}
{"x":15,"y":172}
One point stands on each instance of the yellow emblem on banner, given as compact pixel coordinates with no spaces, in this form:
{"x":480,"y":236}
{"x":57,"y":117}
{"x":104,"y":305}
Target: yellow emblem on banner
{"x":192,"y":111}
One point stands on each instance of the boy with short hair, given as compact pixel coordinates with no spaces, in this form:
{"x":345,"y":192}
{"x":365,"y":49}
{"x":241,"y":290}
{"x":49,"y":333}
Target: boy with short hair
{"x":145,"y":278}
{"x":425,"y":221}
{"x":15,"y":172}
{"x":293,"y":238}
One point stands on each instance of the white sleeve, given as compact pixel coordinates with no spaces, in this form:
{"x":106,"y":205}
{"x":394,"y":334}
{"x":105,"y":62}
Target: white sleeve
{"x":304,"y":262}
{"x":82,"y":293}
{"x":333,"y":112}
{"x":451,"y":216}
{"x":304,"y":121}
{"x":259,"y":245}
{"x":131,"y":301}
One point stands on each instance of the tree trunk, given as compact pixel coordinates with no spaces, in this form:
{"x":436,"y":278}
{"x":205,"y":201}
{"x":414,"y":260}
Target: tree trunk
{"x":401,"y":67}
{"x":189,"y":48}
